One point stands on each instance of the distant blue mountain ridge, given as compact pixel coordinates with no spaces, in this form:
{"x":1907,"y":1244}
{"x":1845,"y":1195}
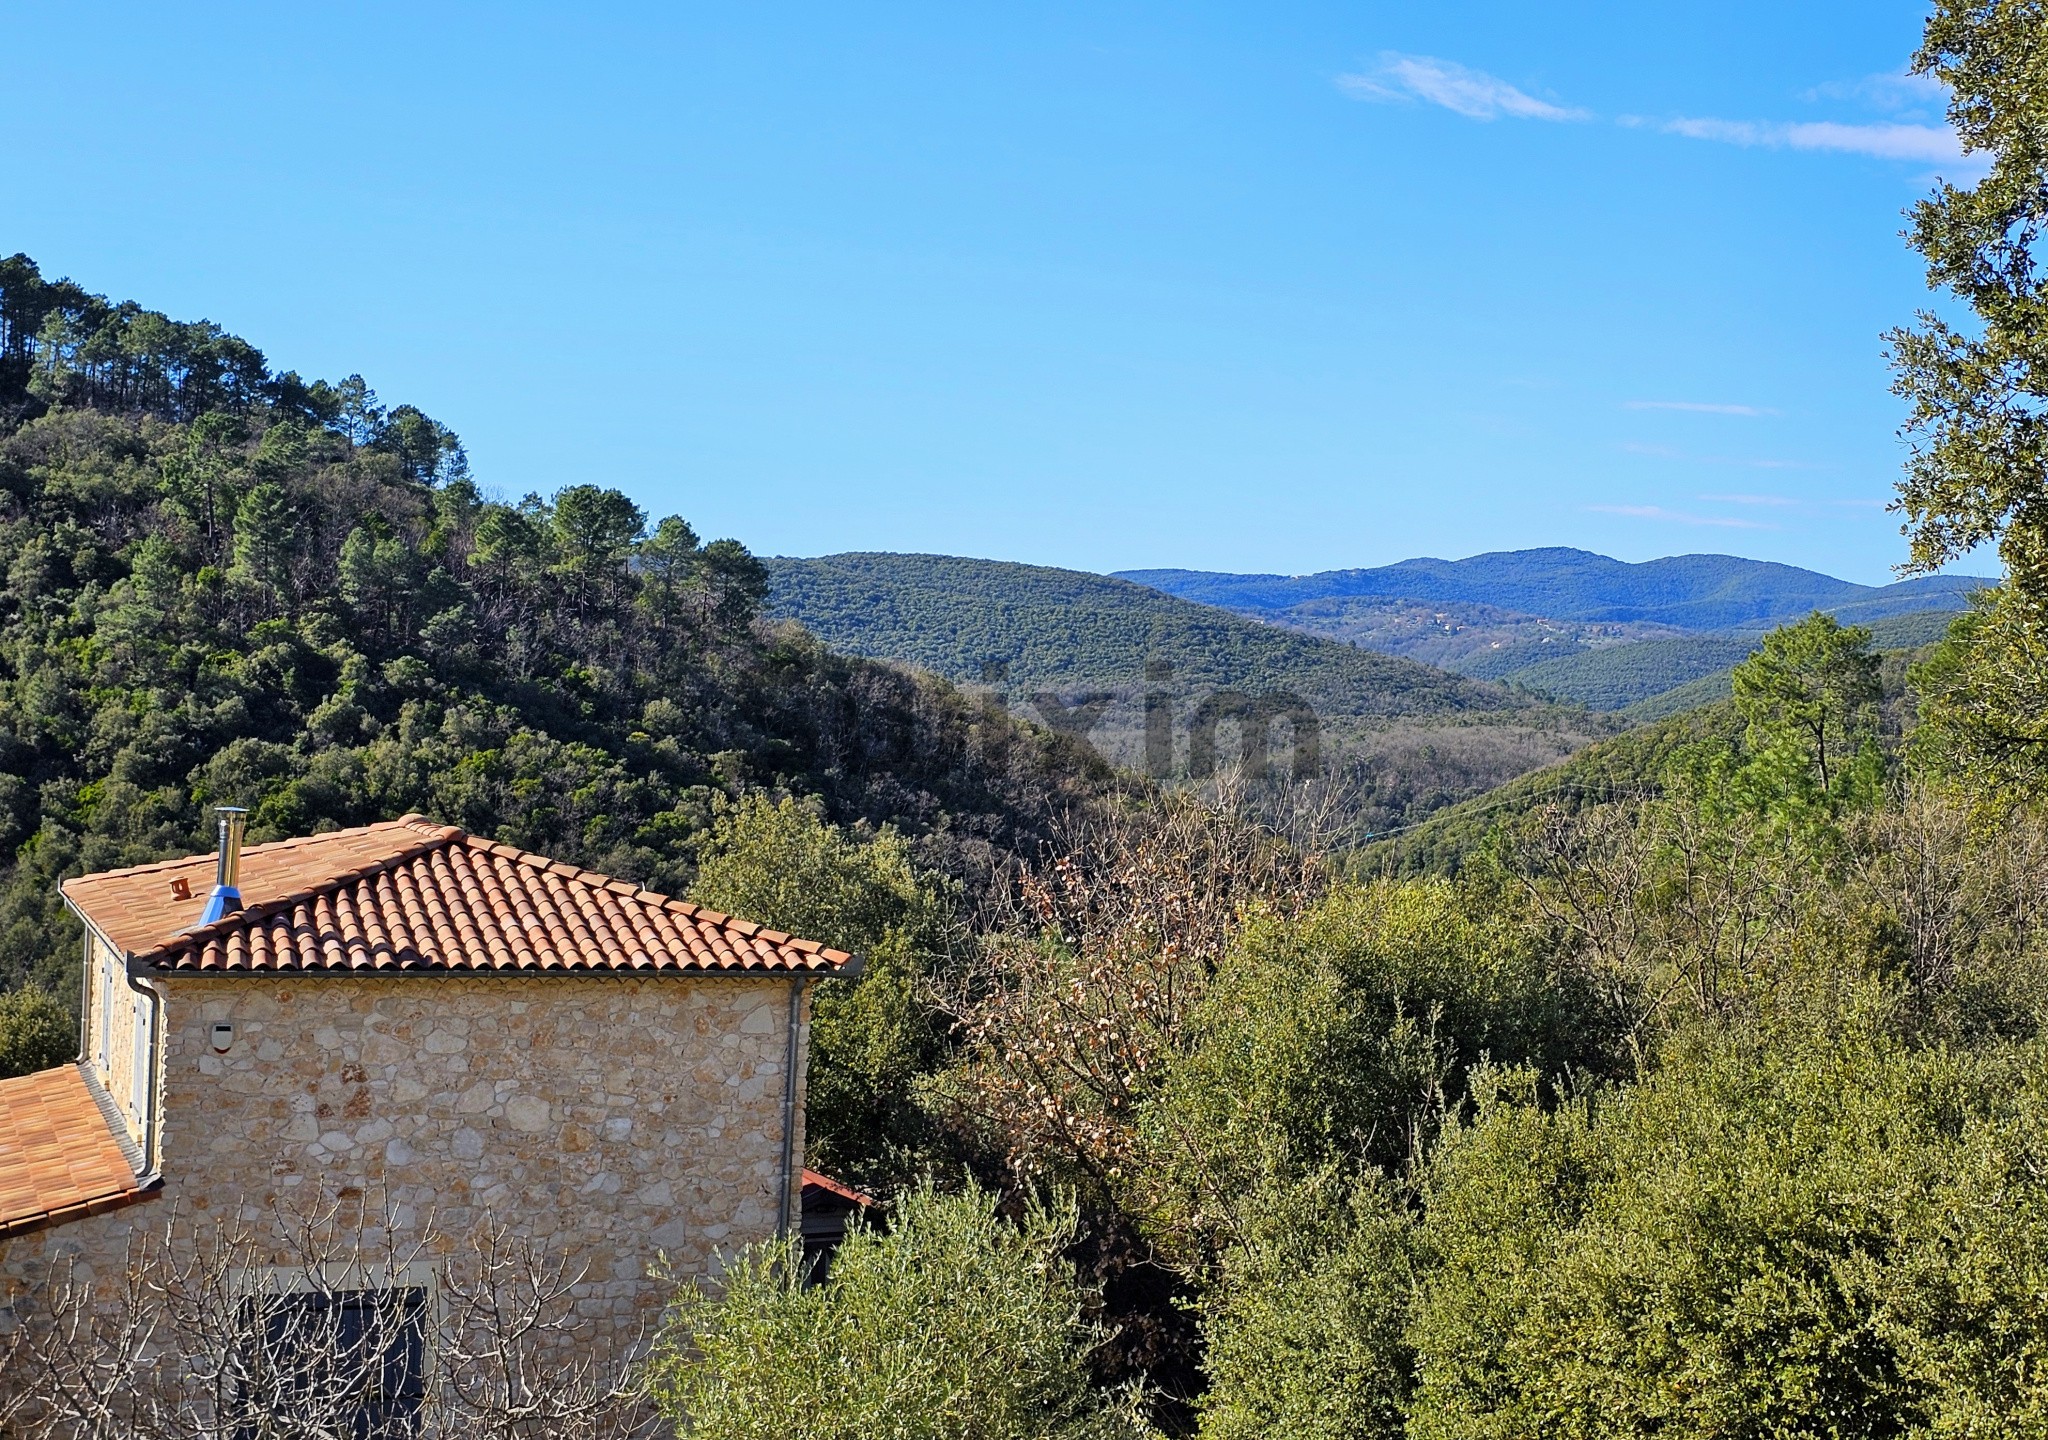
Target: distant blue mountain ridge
{"x":1690,"y":592}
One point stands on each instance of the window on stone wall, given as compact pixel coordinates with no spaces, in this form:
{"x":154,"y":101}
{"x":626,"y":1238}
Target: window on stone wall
{"x":138,"y":1082}
{"x":106,"y":1025}
{"x":346,"y":1363}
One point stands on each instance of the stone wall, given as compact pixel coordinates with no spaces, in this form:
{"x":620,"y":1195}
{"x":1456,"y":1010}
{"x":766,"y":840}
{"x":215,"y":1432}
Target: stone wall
{"x":608,"y":1119}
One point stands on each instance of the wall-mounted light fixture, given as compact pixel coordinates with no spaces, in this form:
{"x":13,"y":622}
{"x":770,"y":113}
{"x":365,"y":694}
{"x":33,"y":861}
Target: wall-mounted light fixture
{"x":223,"y":1037}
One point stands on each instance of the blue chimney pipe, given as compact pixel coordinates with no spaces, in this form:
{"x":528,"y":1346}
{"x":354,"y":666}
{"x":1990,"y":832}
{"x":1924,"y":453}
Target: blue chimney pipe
{"x":226,"y":898}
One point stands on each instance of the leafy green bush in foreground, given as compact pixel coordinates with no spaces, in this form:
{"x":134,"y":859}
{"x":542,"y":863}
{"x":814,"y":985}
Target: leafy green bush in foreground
{"x":1836,"y":1236}
{"x":952,"y":1324}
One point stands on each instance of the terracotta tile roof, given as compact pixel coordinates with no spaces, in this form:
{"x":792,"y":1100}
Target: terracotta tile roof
{"x":58,"y":1159}
{"x":818,"y":1186}
{"x":413,"y":895}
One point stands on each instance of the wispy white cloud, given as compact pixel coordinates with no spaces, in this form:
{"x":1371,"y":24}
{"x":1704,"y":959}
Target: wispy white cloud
{"x":1680,"y":517}
{"x":1750,"y":499}
{"x":1472,"y":93}
{"x":1913,"y":134}
{"x":1893,"y":90}
{"x":1698,"y":407}
{"x":1887,"y":140}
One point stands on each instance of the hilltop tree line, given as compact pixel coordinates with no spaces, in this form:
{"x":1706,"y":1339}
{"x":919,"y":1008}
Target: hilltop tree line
{"x":223,"y":583}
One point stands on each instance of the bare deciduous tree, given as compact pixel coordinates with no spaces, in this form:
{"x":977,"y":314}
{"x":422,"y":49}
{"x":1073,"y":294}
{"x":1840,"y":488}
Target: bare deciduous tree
{"x":317,"y":1326}
{"x":1968,"y":884}
{"x":1089,"y":978}
{"x":1667,"y":906}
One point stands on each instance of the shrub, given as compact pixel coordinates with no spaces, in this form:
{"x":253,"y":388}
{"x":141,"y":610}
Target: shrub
{"x":1335,"y":1041}
{"x":1304,"y":1321}
{"x":1834,"y":1235}
{"x":36,"y":1032}
{"x":780,"y":863}
{"x":952,"y":1324}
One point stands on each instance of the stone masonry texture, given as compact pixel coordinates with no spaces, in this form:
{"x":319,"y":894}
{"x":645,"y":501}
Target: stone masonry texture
{"x":609,"y":1119}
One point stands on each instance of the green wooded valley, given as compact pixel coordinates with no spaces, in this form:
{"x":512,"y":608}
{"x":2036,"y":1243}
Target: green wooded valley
{"x":1082,"y":654}
{"x":1694,"y":1087}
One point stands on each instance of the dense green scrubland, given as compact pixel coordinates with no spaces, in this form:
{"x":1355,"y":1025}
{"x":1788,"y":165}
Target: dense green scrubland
{"x":1701,"y":1098}
{"x":1693,"y":1090}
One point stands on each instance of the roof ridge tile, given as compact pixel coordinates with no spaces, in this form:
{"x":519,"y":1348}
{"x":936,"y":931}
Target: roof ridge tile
{"x":265,"y":908}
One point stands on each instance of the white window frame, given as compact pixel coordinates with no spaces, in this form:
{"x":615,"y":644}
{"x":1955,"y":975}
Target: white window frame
{"x":106,"y":1009}
{"x":138,"y":1100}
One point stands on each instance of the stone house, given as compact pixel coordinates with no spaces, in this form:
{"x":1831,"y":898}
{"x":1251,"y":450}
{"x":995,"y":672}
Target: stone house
{"x":460,"y":1027}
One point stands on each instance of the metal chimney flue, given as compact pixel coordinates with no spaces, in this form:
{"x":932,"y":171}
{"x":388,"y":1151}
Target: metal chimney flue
{"x":226,"y":898}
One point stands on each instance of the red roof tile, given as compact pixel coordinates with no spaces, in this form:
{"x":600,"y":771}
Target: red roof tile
{"x":58,"y":1159}
{"x":413,"y":895}
{"x":817,"y":1184}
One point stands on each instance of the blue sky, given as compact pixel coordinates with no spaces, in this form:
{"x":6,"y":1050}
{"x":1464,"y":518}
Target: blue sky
{"x":1284,"y":286}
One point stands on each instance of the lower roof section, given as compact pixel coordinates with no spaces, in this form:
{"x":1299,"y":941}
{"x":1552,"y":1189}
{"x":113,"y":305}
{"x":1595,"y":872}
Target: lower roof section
{"x":59,"y":1157}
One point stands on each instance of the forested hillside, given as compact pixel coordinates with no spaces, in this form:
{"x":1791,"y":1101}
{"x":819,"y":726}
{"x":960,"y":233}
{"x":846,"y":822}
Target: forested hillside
{"x":1620,"y":675}
{"x":1572,"y":626}
{"x":1624,"y":768}
{"x":224,"y":582}
{"x":1066,"y":631}
{"x":1654,"y":678}
{"x":1109,"y":661}
{"x":1633,"y":766}
{"x":1484,"y":642}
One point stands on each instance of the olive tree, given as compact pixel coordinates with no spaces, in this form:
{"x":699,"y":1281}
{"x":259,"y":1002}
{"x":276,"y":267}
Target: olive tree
{"x":953,"y":1324}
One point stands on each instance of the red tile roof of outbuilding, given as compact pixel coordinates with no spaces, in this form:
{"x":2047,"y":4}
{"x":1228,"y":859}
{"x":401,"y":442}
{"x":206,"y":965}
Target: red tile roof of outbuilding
{"x":818,"y":1184}
{"x":410,"y":895}
{"x":58,"y":1158}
